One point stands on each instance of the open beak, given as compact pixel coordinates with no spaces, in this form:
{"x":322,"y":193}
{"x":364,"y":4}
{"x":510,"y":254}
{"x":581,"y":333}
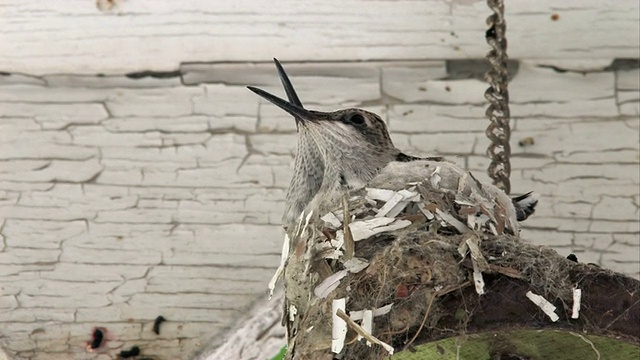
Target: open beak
{"x":295,"y":110}
{"x":294,"y":105}
{"x":288,"y":87}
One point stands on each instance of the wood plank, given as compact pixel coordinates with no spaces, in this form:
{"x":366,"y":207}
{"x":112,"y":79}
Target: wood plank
{"x":44,"y":37}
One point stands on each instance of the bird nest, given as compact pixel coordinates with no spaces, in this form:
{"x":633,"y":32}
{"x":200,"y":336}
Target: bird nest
{"x":385,"y":283}
{"x":412,"y":273}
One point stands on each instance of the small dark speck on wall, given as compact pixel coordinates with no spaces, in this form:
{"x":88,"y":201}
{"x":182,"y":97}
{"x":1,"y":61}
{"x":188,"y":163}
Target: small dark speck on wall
{"x":97,"y":338}
{"x":156,"y":324}
{"x":134,"y":351}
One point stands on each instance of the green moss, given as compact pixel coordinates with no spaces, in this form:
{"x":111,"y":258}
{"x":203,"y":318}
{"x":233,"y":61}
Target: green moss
{"x":281,"y":354}
{"x":529,"y":344}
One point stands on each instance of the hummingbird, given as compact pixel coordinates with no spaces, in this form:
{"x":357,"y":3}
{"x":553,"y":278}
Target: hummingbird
{"x":342,"y":150}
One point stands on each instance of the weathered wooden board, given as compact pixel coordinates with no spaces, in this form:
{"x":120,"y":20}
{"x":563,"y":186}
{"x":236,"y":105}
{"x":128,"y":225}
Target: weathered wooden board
{"x":123,"y":199}
{"x":119,"y":36}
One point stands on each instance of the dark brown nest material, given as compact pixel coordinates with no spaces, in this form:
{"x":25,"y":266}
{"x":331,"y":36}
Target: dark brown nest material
{"x":421,"y":271}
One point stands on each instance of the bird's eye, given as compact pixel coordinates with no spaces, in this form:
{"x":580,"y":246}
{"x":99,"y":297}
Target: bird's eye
{"x":355,"y":119}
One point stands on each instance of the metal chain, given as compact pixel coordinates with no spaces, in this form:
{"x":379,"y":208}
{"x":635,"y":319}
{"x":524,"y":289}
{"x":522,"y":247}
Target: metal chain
{"x":498,"y":96}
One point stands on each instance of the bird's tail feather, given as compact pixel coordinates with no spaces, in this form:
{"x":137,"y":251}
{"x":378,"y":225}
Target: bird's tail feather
{"x":525,"y":205}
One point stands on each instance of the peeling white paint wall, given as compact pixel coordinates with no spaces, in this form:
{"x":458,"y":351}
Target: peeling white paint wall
{"x":122,"y":199}
{"x":76,"y":36}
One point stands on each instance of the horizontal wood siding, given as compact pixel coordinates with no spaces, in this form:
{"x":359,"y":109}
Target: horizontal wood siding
{"x":76,"y":36}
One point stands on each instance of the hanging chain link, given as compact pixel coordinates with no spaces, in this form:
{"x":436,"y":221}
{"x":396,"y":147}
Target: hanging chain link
{"x":498,"y":96}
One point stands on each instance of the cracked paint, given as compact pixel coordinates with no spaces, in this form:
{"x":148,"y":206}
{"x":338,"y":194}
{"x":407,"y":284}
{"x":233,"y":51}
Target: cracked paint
{"x":122,"y":200}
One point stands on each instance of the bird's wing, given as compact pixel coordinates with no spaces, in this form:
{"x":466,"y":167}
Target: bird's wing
{"x":525,"y":205}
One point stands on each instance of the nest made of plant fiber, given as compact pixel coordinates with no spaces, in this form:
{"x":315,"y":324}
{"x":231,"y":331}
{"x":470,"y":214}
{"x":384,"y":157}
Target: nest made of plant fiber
{"x":415,"y":270}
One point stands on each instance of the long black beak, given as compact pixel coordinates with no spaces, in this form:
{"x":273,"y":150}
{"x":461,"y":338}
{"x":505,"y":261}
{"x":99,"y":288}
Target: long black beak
{"x":294,"y":105}
{"x":295,"y":110}
{"x":288,"y":87}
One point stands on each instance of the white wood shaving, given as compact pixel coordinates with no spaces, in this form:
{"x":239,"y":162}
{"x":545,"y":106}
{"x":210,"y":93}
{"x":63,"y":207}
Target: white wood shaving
{"x":464,"y":202}
{"x":435,"y":178}
{"x":474,"y":247}
{"x":383,"y":310}
{"x":482,"y":220}
{"x":338,"y":243}
{"x":544,"y":305}
{"x":329,"y":284}
{"x":386,"y":208}
{"x":463,"y":249}
{"x":369,"y":336}
{"x":426,"y":211}
{"x":306,"y":223}
{"x":339,"y":328}
{"x":329,"y":250}
{"x":280,"y":269}
{"x":367,"y":323}
{"x":493,"y":229}
{"x":410,"y":194}
{"x":300,"y":220}
{"x":332,"y":219}
{"x":398,"y":208}
{"x":577,"y":298}
{"x":355,"y":265}
{"x":293,"y":311}
{"x":471,"y":222}
{"x":380,"y":194}
{"x":365,"y":229}
{"x":462,"y":183}
{"x":459,"y":225}
{"x":478,"y":280}
{"x":407,"y":197}
{"x":356,"y":315}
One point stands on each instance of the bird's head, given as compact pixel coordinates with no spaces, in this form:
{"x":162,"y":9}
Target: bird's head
{"x":336,"y":150}
{"x":349,"y":137}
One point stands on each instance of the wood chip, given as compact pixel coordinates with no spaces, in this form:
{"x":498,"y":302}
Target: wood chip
{"x":367,"y":324}
{"x":382,"y":310}
{"x":410,"y":194}
{"x":329,"y":250}
{"x":339,"y":328}
{"x":380,"y":194}
{"x":355,"y":265}
{"x":493,"y":229}
{"x":293,"y":311}
{"x":358,"y":329}
{"x":338,"y":243}
{"x":428,"y":214}
{"x":471,"y":222}
{"x":510,"y":272}
{"x":364,"y":229}
{"x":329,"y":284}
{"x":349,"y":245}
{"x":544,"y":305}
{"x":577,"y":298}
{"x":386,"y":208}
{"x":467,"y":209}
{"x":283,"y":260}
{"x":358,"y":314}
{"x":435,"y":178}
{"x":301,"y":229}
{"x":478,"y":280}
{"x":476,"y":254}
{"x":449,"y":219}
{"x":332,"y":219}
{"x":462,"y":183}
